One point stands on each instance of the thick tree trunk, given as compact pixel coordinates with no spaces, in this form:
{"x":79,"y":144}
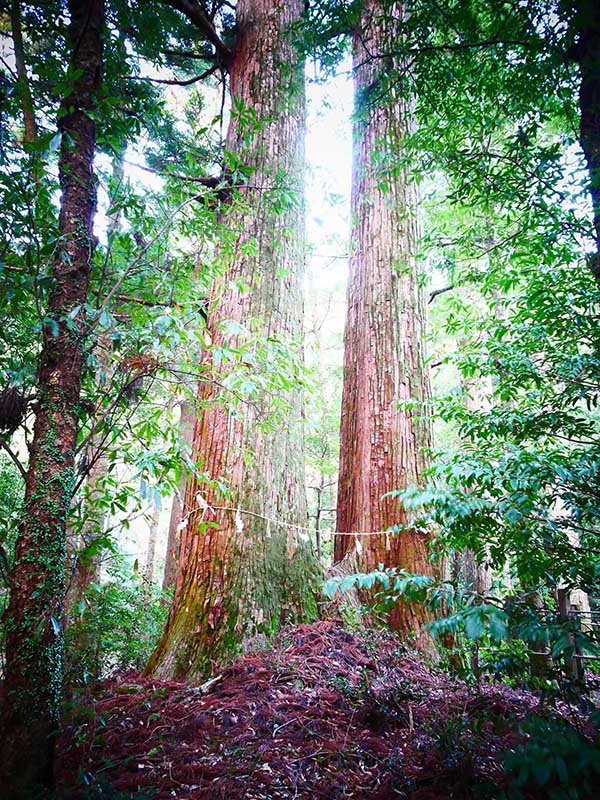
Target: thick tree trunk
{"x":587,"y":55}
{"x":241,"y":576}
{"x":34,"y":641}
{"x":383,"y":444}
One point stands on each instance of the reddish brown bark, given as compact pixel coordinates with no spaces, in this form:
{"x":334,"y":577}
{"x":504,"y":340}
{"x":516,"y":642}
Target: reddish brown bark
{"x":33,"y":633}
{"x":241,"y":576}
{"x":383,"y":446}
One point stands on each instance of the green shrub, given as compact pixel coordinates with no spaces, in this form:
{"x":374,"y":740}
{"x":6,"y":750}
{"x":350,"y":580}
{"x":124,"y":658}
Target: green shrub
{"x":554,"y":761}
{"x":116,"y":627}
{"x":12,"y":489}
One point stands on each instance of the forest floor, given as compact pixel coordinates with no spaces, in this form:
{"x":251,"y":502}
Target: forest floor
{"x":324,"y":714}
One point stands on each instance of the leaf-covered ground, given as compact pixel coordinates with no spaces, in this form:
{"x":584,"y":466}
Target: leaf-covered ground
{"x":325,"y":714}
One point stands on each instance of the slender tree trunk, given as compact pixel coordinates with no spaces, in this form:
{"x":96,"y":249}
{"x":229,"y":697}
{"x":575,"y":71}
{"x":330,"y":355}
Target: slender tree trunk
{"x":239,"y":575}
{"x":587,"y":54}
{"x":383,"y":444}
{"x":151,"y":551}
{"x":466,"y":568}
{"x":187,"y":418}
{"x":25,"y":98}
{"x":34,"y":642}
{"x":85,"y":566}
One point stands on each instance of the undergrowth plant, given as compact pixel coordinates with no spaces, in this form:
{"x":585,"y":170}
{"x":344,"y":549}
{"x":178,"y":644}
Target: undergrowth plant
{"x":115,"y":627}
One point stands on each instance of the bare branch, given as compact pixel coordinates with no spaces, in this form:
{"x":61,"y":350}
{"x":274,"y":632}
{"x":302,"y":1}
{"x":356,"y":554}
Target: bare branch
{"x":174,"y":81}
{"x":196,"y":13}
{"x":125,"y":298}
{"x":13,"y":457}
{"x":437,"y":292}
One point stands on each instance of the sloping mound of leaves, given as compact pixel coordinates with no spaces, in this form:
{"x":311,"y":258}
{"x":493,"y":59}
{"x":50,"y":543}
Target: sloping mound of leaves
{"x":325,"y":714}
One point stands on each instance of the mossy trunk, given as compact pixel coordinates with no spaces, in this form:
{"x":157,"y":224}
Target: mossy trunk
{"x":34,"y":642}
{"x":241,"y":576}
{"x":384,"y":433}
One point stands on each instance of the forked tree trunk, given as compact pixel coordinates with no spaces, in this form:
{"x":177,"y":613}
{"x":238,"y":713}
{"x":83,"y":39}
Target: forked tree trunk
{"x":383,"y":445}
{"x":34,"y":642}
{"x":239,"y":575}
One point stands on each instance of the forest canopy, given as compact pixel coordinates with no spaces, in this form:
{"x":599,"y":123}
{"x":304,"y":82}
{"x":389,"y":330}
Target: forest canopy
{"x":299,"y":395}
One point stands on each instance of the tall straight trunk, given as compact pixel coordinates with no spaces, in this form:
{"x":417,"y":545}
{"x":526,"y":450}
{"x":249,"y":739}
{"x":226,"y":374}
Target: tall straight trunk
{"x":153,"y":524}
{"x":187,"y":417}
{"x":24,"y":91}
{"x":383,"y":443}
{"x":241,"y":576}
{"x":34,"y":643}
{"x":586,"y":52}
{"x":85,"y":566}
{"x":466,"y":568}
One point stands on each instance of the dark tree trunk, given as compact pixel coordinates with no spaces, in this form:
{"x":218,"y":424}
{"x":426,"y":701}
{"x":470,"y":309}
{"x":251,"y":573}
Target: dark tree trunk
{"x":34,"y":643}
{"x":383,"y":445}
{"x":587,"y":54}
{"x":240,"y":575}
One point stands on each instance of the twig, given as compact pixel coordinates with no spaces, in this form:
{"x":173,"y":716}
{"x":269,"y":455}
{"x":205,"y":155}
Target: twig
{"x":139,"y":257}
{"x":14,"y":458}
{"x":437,"y":292}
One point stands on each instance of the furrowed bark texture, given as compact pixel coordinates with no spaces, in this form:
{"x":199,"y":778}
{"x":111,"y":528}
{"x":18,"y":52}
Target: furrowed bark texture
{"x":587,"y":55}
{"x":383,"y":447}
{"x":34,"y":642}
{"x":241,"y":578}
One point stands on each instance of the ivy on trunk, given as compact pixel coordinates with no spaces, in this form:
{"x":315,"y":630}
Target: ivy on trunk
{"x":34,"y":640}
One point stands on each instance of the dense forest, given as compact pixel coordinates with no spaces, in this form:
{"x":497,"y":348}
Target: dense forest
{"x":299,"y":399}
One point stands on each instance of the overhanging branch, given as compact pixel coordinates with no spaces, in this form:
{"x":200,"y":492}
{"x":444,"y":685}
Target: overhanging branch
{"x":196,"y":14}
